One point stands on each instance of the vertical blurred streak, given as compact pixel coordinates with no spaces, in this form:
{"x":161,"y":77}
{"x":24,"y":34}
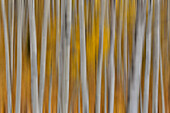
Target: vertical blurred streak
{"x":156,"y":56}
{"x":125,"y":50}
{"x":33,"y":48}
{"x":19,"y":54}
{"x":162,"y":84}
{"x":10,"y":28}
{"x":100,"y":57}
{"x":62,"y":52}
{"x":79,"y":101}
{"x":83,"y":73}
{"x":43,"y":54}
{"x":119,"y":39}
{"x":52,"y":7}
{"x":58,"y":51}
{"x":8,"y":81}
{"x":50,"y":91}
{"x":68,"y":16}
{"x":105,"y":87}
{"x":148,"y":57}
{"x":140,"y":97}
{"x":135,"y":79}
{"x":111,"y":57}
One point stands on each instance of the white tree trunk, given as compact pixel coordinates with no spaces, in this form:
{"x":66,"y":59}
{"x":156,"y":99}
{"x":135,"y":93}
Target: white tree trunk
{"x":156,"y":57}
{"x":161,"y":74}
{"x":19,"y":54}
{"x":58,"y":66}
{"x":8,"y":81}
{"x":111,"y":58}
{"x":33,"y":46}
{"x":68,"y":9}
{"x":148,"y":57}
{"x":100,"y":57}
{"x":83,"y":73}
{"x":137,"y":57}
{"x":43,"y":54}
{"x":125,"y":51}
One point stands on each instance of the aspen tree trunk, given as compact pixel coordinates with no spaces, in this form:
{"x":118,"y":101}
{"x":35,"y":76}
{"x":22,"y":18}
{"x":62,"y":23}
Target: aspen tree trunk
{"x":43,"y":54}
{"x":125,"y":50}
{"x":148,"y":57}
{"x":119,"y":39}
{"x":137,"y":57}
{"x":83,"y":73}
{"x":58,"y":66}
{"x":19,"y":55}
{"x":33,"y":48}
{"x":100,"y":57}
{"x":162,"y":85}
{"x":111,"y":57}
{"x":68,"y":8}
{"x":50,"y":91}
{"x":105,"y":88}
{"x":140,"y":99}
{"x":8,"y":81}
{"x":156,"y":57}
{"x":62,"y":55}
{"x":11,"y":26}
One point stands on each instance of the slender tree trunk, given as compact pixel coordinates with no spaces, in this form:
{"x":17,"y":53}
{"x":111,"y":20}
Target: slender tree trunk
{"x":19,"y":55}
{"x":43,"y":54}
{"x":156,"y":57}
{"x":105,"y":88}
{"x":137,"y":57}
{"x":79,"y":102}
{"x":10,"y":29}
{"x":140,"y":97}
{"x":111,"y":58}
{"x":62,"y":54}
{"x":68,"y":8}
{"x":83,"y":73}
{"x":8,"y":81}
{"x":148,"y":57}
{"x":50,"y":91}
{"x":100,"y":58}
{"x":58,"y":66}
{"x":119,"y":39}
{"x":162,"y":85}
{"x":33,"y":48}
{"x":125,"y":50}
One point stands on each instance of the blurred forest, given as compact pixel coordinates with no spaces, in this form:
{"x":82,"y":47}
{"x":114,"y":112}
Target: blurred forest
{"x":126,"y":17}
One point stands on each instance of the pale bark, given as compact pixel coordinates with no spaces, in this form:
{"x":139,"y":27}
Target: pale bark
{"x":119,"y":40}
{"x":111,"y":58}
{"x":156,"y":57}
{"x":8,"y":80}
{"x":62,"y":55}
{"x":161,"y":76}
{"x":79,"y":102}
{"x":52,"y":8}
{"x":10,"y":29}
{"x":19,"y":55}
{"x":50,"y":91}
{"x":105,"y":87}
{"x":43,"y":54}
{"x":137,"y":58}
{"x":140,"y":97}
{"x":58,"y":66}
{"x":33,"y":48}
{"x":83,"y":73}
{"x":100,"y":57}
{"x":68,"y":13}
{"x":148,"y":57}
{"x":125,"y":50}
